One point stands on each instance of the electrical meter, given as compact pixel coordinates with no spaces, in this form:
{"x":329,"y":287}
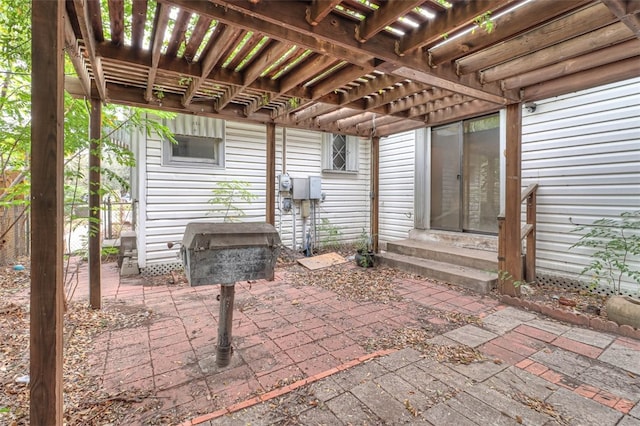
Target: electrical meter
{"x":285,"y":183}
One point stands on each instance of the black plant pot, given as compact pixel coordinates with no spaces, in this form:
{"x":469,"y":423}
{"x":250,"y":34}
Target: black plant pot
{"x":364,"y":258}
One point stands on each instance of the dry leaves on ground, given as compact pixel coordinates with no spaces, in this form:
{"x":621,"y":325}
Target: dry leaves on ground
{"x":541,"y":407}
{"x":417,"y":338}
{"x":85,"y":401}
{"x":362,"y":285}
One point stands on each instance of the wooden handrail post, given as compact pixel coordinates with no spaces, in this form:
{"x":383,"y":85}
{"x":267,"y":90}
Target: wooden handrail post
{"x":501,"y":254}
{"x":530,"y":267}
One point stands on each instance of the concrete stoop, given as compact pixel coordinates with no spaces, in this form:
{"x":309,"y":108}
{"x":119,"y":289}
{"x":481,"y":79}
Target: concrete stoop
{"x":475,"y":269}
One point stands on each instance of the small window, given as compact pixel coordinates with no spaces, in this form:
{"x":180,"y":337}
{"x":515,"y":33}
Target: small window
{"x":340,"y":153}
{"x":194,"y":150}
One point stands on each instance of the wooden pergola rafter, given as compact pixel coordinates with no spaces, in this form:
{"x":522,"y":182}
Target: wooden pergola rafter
{"x":365,"y":68}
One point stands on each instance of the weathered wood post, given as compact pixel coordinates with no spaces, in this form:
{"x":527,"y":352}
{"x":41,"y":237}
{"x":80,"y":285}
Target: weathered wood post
{"x":47,"y":197}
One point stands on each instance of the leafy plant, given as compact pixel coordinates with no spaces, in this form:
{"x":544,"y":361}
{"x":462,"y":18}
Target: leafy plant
{"x":226,"y":195}
{"x":484,"y":22}
{"x":364,"y":249}
{"x":329,"y":234}
{"x":506,"y":276}
{"x":614,"y":242}
{"x":363,"y":243}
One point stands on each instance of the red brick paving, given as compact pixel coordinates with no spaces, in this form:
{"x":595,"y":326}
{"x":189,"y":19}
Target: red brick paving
{"x":577,"y":347}
{"x":277,"y":341}
{"x":501,"y":353}
{"x":536,"y":333}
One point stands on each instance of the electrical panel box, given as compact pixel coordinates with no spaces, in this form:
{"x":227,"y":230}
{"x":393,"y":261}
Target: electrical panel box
{"x":300,"y":188}
{"x":315,"y":187}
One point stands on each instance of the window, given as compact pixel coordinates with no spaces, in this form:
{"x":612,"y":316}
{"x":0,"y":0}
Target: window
{"x":340,"y":153}
{"x":200,"y":142}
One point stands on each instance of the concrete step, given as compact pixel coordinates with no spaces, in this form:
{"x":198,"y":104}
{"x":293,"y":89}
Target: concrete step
{"x":483,"y":260}
{"x":474,"y":279}
{"x":457,"y":239}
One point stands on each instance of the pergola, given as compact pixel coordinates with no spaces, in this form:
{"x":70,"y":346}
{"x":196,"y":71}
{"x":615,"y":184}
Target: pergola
{"x":369,"y":68}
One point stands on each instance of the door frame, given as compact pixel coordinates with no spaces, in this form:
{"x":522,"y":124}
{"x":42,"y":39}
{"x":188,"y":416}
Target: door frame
{"x":422,"y":172}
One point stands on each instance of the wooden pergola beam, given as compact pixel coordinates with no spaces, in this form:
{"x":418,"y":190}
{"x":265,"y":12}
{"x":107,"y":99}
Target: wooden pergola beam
{"x":613,"y":54}
{"x":427,"y":78}
{"x":417,"y":99}
{"x":161,"y":22}
{"x":225,"y":36}
{"x":75,"y":56}
{"x":437,"y":104}
{"x":573,"y":25}
{"x":177,"y":35}
{"x":47,"y":215}
{"x":89,"y":39}
{"x":287,"y":83}
{"x":514,"y":22}
{"x":621,"y":70}
{"x":116,"y":18}
{"x":446,"y":22}
{"x":253,"y":71}
{"x":279,"y":20}
{"x":375,"y":85}
{"x":138,"y":19}
{"x":577,"y":46}
{"x":385,"y":15}
{"x":627,"y":12}
{"x":197,"y":35}
{"x":342,"y":77}
{"x":319,"y":9}
{"x":331,"y":117}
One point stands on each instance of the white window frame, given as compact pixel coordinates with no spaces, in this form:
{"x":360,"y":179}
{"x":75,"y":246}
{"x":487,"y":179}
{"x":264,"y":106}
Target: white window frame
{"x":352,"y":154}
{"x":170,"y":159}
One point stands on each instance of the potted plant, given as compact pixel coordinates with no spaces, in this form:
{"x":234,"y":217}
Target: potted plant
{"x":364,"y":250}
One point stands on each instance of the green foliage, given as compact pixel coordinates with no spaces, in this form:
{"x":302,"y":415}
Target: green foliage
{"x":506,"y":276}
{"x":329,"y":235}
{"x":15,"y":123}
{"x":363,"y":243}
{"x":484,"y":22}
{"x":226,"y":195}
{"x":614,"y":242}
{"x":364,"y":249}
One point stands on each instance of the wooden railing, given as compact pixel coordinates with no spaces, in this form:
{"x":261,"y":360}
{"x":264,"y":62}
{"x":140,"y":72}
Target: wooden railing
{"x":528,"y":231}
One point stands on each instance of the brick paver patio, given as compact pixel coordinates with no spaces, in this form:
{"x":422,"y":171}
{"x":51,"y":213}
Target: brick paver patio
{"x":301,"y":356}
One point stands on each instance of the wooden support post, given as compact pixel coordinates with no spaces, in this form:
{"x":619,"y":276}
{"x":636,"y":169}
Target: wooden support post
{"x":47,"y":286}
{"x":95,"y":237}
{"x":375,"y":188}
{"x":271,"y":174}
{"x":513,"y":202}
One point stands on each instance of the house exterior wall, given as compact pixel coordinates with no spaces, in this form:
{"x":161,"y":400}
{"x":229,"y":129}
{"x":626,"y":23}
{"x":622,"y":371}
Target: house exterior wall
{"x":345,"y":209}
{"x":583,"y":150}
{"x":397,"y":174}
{"x":168,"y":196}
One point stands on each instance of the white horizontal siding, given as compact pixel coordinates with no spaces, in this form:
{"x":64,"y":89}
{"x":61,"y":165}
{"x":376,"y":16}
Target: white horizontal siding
{"x":396,"y":206}
{"x":346,"y":206}
{"x":177,"y":195}
{"x":583,"y":150}
{"x":174,"y":196}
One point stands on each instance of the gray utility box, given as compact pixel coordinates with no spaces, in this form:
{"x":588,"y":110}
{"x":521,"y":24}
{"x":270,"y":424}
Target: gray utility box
{"x":223,"y":253}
